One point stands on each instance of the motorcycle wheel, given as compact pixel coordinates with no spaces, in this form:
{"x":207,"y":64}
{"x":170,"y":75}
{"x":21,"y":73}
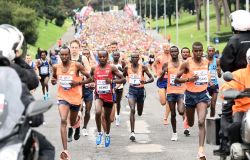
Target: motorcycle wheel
{"x":223,"y":157}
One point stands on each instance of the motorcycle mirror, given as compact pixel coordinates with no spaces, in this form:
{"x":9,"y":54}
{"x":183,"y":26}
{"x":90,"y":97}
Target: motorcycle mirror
{"x":228,"y":76}
{"x":38,"y":107}
{"x":231,"y":94}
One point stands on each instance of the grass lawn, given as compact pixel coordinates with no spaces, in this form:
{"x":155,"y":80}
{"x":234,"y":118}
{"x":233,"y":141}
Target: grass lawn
{"x":188,"y":29}
{"x":48,"y":35}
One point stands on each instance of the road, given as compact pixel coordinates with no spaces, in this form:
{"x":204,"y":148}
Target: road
{"x":153,"y":138}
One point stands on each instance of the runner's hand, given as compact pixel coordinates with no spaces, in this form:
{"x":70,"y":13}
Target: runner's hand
{"x":74,"y":83}
{"x":108,"y":81}
{"x":143,"y":82}
{"x":53,"y":81}
{"x":194,"y":78}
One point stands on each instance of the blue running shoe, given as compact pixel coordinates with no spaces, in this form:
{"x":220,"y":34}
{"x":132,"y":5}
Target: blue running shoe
{"x":107,"y":141}
{"x":99,"y":139}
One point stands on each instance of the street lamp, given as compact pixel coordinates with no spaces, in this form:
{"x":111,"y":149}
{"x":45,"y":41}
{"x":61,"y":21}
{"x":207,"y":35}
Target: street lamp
{"x":208,"y":26}
{"x":156,"y":15}
{"x":247,"y":5}
{"x":140,"y":8}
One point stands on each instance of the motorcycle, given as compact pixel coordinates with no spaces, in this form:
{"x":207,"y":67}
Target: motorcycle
{"x":18,"y":141}
{"x":238,"y":150}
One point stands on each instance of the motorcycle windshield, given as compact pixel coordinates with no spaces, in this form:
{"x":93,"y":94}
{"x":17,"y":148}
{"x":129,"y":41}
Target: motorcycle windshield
{"x":11,"y":106}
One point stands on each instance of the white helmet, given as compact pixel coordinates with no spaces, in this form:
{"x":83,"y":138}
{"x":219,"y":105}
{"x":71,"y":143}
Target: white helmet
{"x":11,"y":40}
{"x":248,"y":56}
{"x":240,"y":20}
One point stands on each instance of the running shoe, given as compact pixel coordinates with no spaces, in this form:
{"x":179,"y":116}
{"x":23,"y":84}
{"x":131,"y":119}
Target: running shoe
{"x":99,"y":138}
{"x":174,"y":137}
{"x":186,"y":132}
{"x":117,"y":120}
{"x":132,"y":136}
{"x":70,"y":133}
{"x":84,"y":132}
{"x":107,"y":141}
{"x":77,"y":134}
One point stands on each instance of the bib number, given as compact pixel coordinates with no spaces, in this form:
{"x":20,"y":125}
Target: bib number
{"x":44,"y":70}
{"x":203,"y":77}
{"x":65,"y":81}
{"x":134,"y":79}
{"x":102,"y":87}
{"x":172,"y":78}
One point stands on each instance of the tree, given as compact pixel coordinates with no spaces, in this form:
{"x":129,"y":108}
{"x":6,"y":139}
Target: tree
{"x":226,"y":11}
{"x":197,"y":8}
{"x":217,"y":13}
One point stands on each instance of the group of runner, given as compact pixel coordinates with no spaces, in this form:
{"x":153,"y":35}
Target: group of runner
{"x":108,"y":55}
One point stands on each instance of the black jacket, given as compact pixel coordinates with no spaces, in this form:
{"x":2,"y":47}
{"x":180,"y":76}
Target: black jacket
{"x":28,"y":78}
{"x":234,"y":54}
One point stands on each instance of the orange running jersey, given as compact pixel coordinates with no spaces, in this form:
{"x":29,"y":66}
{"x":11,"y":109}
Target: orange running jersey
{"x":202,"y":72}
{"x":177,"y":88}
{"x":65,"y":92}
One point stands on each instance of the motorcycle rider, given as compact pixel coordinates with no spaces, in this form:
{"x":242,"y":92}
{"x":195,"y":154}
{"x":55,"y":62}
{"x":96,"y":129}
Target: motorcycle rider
{"x":11,"y":40}
{"x":233,"y":55}
{"x":240,"y":106}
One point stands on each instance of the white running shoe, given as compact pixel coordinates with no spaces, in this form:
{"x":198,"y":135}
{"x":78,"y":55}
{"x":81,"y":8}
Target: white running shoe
{"x":132,"y":136}
{"x":117,"y":120}
{"x":84,"y":132}
{"x":174,"y":137}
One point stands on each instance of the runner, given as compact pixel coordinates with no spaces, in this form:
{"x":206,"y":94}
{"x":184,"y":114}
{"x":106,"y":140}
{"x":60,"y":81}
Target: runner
{"x":185,"y":53}
{"x":87,"y":93}
{"x":43,"y":68}
{"x":175,"y":91}
{"x":162,"y":83}
{"x":214,"y":70}
{"x":69,"y":93}
{"x":75,"y":56}
{"x":151,"y":60}
{"x":118,"y":89}
{"x":29,"y":61}
{"x":103,"y":76}
{"x":136,"y":95}
{"x":196,"y":96}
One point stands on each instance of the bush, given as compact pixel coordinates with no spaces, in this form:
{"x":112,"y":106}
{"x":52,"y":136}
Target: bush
{"x":60,"y":20}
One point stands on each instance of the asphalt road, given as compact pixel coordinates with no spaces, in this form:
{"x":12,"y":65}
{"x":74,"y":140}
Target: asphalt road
{"x":153,"y":138}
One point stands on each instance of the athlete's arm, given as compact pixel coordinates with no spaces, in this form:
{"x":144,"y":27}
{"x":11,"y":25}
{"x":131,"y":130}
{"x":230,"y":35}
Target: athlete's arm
{"x":125,"y":72}
{"x":54,"y":76}
{"x":92,"y":71}
{"x":218,"y":67}
{"x":183,"y":69}
{"x":155,"y":66}
{"x":84,"y":72}
{"x":116,"y":72}
{"x":164,"y":70}
{"x":151,"y":79}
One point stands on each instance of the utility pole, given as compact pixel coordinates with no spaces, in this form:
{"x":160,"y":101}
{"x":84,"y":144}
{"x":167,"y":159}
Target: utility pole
{"x":247,"y":5}
{"x":177,"y":21}
{"x":156,"y":15}
{"x":165,"y":18}
{"x":208,"y":25}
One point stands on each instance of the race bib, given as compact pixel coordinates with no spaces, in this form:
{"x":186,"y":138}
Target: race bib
{"x":44,"y":70}
{"x":213,"y":75}
{"x":203,"y":77}
{"x":172,"y":78}
{"x":102,"y":87}
{"x":134,"y":79}
{"x":65,"y":81}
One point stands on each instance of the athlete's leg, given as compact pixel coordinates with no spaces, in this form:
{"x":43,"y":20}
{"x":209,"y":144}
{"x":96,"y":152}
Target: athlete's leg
{"x":213,"y":104}
{"x":63,"y":111}
{"x":201,"y":112}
